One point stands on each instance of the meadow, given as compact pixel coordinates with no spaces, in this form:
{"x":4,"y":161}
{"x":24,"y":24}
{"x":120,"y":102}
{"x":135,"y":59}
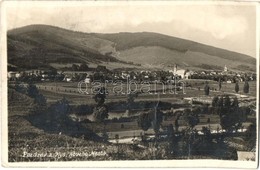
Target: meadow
{"x":31,"y":142}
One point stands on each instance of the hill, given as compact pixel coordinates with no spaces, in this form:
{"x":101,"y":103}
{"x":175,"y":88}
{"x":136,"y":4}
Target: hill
{"x":154,"y":48}
{"x":42,"y":45}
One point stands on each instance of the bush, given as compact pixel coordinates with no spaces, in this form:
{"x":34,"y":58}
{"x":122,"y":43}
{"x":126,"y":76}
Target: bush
{"x":20,"y":88}
{"x":246,"y":87}
{"x":206,"y":89}
{"x":237,"y":87}
{"x":83,"y":110}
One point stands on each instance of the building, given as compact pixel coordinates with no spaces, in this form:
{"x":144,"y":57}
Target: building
{"x":181,"y":73}
{"x":11,"y":75}
{"x":67,"y":78}
{"x":188,"y":74}
{"x":175,"y":69}
{"x":225,"y":69}
{"x":87,"y":80}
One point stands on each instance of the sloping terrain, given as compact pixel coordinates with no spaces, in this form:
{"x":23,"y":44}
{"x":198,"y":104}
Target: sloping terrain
{"x":39,"y":45}
{"x":190,"y":59}
{"x":153,"y":48}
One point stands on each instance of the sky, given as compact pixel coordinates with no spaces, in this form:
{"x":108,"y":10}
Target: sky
{"x":228,"y":26}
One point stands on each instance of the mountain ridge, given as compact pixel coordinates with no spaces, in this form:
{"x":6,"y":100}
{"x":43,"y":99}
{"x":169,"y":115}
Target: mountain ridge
{"x":59,"y":43}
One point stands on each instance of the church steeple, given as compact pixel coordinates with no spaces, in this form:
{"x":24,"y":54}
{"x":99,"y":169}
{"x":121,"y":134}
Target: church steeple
{"x":225,"y":68}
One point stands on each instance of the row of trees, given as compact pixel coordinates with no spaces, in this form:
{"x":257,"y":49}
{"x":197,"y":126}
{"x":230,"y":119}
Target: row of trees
{"x":54,"y":117}
{"x":32,"y":91}
{"x":245,"y":88}
{"x":153,"y":119}
{"x":231,"y":115}
{"x":81,"y":67}
{"x":232,"y":78}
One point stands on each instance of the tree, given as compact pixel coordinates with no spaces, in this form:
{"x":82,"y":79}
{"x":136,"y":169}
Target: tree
{"x":219,"y":84}
{"x":100,"y":96}
{"x":219,"y":106}
{"x":235,"y":103}
{"x":189,"y":134}
{"x":101,"y":69}
{"x":250,"y":136}
{"x":231,"y":116}
{"x":74,"y":67}
{"x":130,"y":100}
{"x":153,"y":118}
{"x":52,"y":72}
{"x":57,"y":117}
{"x":20,"y":88}
{"x":34,"y":93}
{"x":176,"y":123}
{"x":82,"y":77}
{"x":144,"y":121}
{"x":157,"y":117}
{"x":117,"y":143}
{"x":226,"y":102}
{"x":237,"y":87}
{"x":204,"y":109}
{"x":214,"y":101}
{"x":191,"y":118}
{"x":100,"y":111}
{"x":199,"y":110}
{"x":233,"y":120}
{"x":215,"y":104}
{"x":207,"y":133}
{"x":32,"y":90}
{"x":170,"y":131}
{"x":246,"y":87}
{"x":105,"y":136}
{"x":40,"y":99}
{"x":62,"y":106}
{"x":172,"y":139}
{"x":83,"y":67}
{"x":206,"y":89}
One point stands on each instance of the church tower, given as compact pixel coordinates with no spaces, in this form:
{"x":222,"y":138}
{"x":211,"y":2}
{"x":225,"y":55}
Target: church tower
{"x":225,"y":69}
{"x":175,"y":68}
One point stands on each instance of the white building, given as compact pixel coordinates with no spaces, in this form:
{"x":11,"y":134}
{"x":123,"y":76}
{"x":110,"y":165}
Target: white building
{"x":87,"y":80}
{"x":11,"y":74}
{"x":67,"y":78}
{"x":225,"y":69}
{"x":18,"y":75}
{"x":181,"y":73}
{"x":188,"y":74}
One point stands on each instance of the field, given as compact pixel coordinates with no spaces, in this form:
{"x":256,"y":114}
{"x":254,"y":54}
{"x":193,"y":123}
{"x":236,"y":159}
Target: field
{"x":53,"y":120}
{"x":54,"y":91}
{"x":31,"y":141}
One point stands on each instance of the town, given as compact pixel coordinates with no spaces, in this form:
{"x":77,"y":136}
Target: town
{"x":151,"y":119}
{"x":130,"y":84}
{"x":82,"y":72}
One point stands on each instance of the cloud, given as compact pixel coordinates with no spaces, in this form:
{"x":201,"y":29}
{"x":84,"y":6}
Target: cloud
{"x":218,"y":26}
{"x":98,"y":19}
{"x":209,"y":20}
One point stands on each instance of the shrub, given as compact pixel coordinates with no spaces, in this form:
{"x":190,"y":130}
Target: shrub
{"x":246,"y":87}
